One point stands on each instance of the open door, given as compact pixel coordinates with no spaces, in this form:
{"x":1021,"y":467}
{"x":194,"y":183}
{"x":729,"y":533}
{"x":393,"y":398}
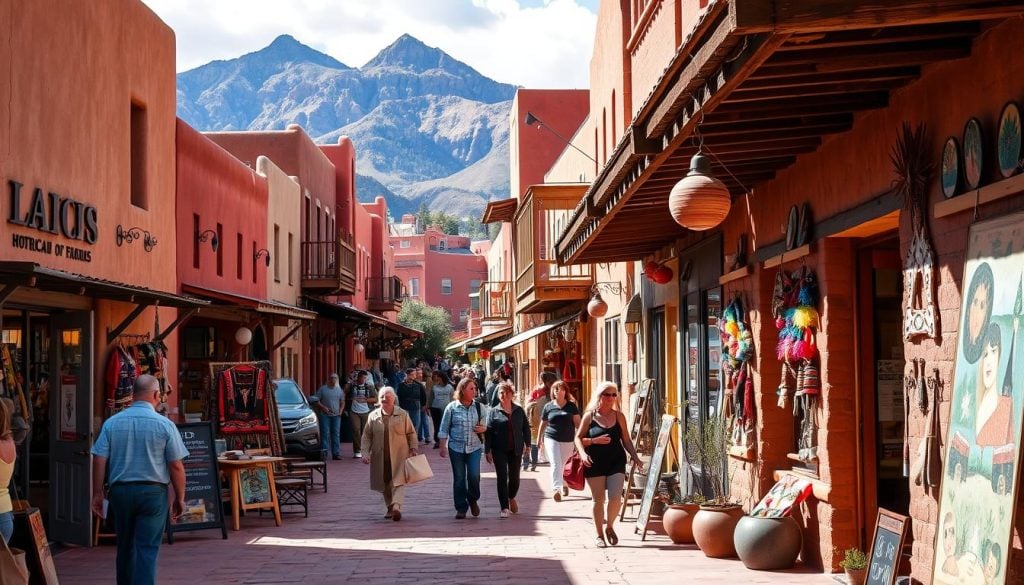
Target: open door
{"x":71,"y":427}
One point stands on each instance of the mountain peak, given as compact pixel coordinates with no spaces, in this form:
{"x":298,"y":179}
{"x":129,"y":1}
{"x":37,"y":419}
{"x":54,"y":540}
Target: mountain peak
{"x":408,"y":52}
{"x":286,"y":48}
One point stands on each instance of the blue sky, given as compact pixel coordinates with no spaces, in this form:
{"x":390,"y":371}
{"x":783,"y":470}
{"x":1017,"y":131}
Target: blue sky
{"x":533,"y":43}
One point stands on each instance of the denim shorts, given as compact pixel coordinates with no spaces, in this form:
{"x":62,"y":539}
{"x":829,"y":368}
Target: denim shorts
{"x":7,"y":525}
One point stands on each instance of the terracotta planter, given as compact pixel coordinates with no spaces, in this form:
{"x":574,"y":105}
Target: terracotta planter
{"x":768,"y":544}
{"x":856,"y":576}
{"x":678,"y":522}
{"x":713,"y":527}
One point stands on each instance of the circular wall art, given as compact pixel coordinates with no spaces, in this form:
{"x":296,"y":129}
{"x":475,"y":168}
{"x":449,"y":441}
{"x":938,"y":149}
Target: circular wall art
{"x":949,"y":175}
{"x":1009,"y":140}
{"x":972,"y":154}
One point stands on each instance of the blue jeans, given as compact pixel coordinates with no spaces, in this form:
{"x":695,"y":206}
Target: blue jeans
{"x":7,"y":525}
{"x":140,"y":516}
{"x":330,"y":434}
{"x":531,"y":457}
{"x":466,"y":478}
{"x":423,"y":429}
{"x":415,"y":415}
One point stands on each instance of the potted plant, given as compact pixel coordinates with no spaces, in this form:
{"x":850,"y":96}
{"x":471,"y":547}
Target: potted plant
{"x":855,"y":563}
{"x":715,"y":521}
{"x":678,"y":517}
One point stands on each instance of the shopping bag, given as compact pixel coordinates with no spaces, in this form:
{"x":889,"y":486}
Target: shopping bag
{"x":572,"y":472}
{"x":13,"y":568}
{"x":417,"y":469}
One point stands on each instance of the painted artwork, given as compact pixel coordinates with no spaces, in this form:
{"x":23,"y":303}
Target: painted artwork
{"x":1009,"y":140}
{"x":983,"y":445}
{"x":973,"y":158}
{"x":255,"y":485}
{"x":950,"y":172}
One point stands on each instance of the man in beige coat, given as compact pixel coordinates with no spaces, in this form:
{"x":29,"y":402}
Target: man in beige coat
{"x":389,"y":438}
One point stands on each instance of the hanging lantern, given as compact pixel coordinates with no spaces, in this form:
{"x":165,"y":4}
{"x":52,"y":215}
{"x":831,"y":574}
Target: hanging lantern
{"x":662,"y":275}
{"x":597,"y":307}
{"x":243,"y":336}
{"x":358,"y":347}
{"x":650,"y":267}
{"x":699,"y":201}
{"x":484,"y":353}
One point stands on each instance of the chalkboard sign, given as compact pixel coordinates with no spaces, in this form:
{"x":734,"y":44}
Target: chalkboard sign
{"x":203,"y":507}
{"x":886,"y":548}
{"x":653,"y":474}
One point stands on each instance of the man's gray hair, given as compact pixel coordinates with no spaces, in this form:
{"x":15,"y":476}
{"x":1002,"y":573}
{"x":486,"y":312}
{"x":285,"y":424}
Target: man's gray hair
{"x":387,"y":390}
{"x":145,"y":384}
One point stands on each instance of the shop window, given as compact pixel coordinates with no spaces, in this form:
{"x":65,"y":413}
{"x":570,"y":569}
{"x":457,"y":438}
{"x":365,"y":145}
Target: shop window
{"x":277,"y":253}
{"x":238,"y":256}
{"x":612,"y":363}
{"x":139,"y":194}
{"x":220,"y":250}
{"x":446,"y":286}
{"x":200,"y":343}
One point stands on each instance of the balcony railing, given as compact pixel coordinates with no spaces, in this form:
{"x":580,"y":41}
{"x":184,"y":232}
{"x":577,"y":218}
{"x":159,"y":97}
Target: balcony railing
{"x":329,"y":266}
{"x":384,"y":293}
{"x":495,"y":303}
{"x":541,"y":284}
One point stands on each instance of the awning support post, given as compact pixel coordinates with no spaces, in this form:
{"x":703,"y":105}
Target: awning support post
{"x":6,"y":293}
{"x":291,"y":332}
{"x":182,"y":315}
{"x":112,"y":334}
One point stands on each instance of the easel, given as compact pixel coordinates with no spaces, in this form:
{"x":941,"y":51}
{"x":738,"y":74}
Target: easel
{"x":640,"y":442}
{"x":654,"y":472}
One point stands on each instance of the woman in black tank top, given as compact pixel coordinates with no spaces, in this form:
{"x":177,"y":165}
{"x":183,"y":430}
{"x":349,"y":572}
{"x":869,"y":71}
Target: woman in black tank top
{"x":603,"y":441}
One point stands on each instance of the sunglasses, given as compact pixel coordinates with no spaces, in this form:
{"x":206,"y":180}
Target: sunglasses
{"x":607,"y":395}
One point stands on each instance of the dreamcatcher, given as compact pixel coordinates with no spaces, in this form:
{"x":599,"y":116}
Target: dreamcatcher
{"x":794,"y":306}
{"x":738,"y":349}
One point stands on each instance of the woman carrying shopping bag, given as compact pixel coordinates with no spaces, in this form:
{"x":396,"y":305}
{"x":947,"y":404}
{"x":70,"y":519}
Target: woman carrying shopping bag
{"x":389,"y":438}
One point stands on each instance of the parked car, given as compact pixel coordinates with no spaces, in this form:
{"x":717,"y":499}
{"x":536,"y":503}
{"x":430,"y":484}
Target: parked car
{"x":298,"y":421}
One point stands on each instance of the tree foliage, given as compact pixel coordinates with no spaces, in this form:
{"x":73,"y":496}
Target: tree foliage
{"x":434,"y":322}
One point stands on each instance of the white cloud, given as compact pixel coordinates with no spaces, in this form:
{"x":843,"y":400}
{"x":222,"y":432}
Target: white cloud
{"x":533,"y":43}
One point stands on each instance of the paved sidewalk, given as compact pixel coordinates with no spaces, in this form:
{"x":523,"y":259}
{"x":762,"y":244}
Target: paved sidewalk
{"x":346,"y":540}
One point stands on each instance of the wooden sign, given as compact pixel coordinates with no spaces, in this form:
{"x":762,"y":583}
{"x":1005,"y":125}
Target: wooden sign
{"x":203,"y":507}
{"x":886,"y":548}
{"x":653,"y":474}
{"x":30,"y":536}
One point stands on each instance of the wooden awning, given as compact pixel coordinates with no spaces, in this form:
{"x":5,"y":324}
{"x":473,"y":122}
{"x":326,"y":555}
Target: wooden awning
{"x":500,"y":211}
{"x":14,"y":274}
{"x":765,"y":82}
{"x":358,"y":318}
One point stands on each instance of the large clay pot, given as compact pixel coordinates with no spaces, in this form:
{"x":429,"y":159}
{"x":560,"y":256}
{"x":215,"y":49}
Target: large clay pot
{"x":856,"y":576}
{"x":712,"y":530}
{"x":768,"y":544}
{"x":678,"y":522}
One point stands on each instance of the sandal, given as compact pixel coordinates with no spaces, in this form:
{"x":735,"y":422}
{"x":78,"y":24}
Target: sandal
{"x":599,"y":542}
{"x":613,"y":539}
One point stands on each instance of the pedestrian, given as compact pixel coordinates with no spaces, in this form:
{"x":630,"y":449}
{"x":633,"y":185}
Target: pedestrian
{"x":461,"y":432}
{"x":539,"y":397}
{"x":426,"y":379}
{"x":558,"y":423}
{"x":389,"y":438}
{"x":439,"y":396}
{"x":412,"y":396}
{"x":506,"y":440}
{"x":330,"y":402}
{"x":8,"y":454}
{"x":143,"y":451}
{"x":603,"y":441}
{"x":360,"y":395}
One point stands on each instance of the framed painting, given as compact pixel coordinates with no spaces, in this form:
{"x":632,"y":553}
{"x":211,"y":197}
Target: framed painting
{"x":949,"y":174}
{"x":973,"y":154}
{"x":254,"y":482}
{"x":1009,"y":143}
{"x":980,"y":485}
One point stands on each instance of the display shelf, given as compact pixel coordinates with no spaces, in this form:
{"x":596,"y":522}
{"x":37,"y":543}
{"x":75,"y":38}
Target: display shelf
{"x":789,"y":256}
{"x":980,"y":196}
{"x":735,"y":274}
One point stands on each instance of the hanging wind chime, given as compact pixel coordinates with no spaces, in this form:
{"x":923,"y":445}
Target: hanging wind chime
{"x":794,"y":306}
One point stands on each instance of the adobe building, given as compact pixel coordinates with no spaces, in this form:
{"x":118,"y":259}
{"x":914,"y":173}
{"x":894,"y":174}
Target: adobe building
{"x":802,"y":113}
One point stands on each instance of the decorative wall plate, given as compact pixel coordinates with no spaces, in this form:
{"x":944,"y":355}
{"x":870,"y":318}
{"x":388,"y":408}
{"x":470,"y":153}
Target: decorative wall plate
{"x":949,"y":175}
{"x":973,"y":154}
{"x":1008,"y":148}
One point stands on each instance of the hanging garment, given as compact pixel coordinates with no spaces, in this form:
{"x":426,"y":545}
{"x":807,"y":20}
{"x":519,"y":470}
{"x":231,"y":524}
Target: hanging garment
{"x":122,"y":370}
{"x":242,"y":399}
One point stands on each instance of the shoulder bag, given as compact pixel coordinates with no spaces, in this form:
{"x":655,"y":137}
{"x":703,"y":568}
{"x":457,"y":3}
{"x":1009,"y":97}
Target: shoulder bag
{"x":572,"y":472}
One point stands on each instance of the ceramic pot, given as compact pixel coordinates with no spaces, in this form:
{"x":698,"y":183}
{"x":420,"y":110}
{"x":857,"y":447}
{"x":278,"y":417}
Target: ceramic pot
{"x":856,"y":576}
{"x":712,"y":530}
{"x":768,"y":544}
{"x":678,"y":522}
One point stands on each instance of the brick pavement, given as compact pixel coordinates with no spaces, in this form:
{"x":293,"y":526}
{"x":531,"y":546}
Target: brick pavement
{"x":346,"y":540}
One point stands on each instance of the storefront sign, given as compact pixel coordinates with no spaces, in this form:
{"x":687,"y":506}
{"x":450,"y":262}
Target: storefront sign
{"x":52,"y":213}
{"x":68,"y":408}
{"x":202,"y":482}
{"x":886,"y":548}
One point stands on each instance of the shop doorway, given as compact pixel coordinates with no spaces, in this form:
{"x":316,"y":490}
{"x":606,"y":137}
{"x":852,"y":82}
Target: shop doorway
{"x":881,"y":368}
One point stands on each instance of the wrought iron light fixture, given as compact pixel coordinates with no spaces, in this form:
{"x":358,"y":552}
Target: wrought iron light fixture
{"x":209,"y":236}
{"x":127,"y":236}
{"x":530,"y":120}
{"x":262,"y":252}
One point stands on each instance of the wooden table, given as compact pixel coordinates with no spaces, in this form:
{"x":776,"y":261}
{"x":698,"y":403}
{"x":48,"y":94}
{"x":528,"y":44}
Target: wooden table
{"x":234,"y":467}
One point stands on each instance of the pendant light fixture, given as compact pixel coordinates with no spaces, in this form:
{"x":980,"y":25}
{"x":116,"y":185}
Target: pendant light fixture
{"x":699,"y":201}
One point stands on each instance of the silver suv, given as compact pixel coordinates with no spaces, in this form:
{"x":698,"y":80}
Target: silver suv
{"x":298,"y":421}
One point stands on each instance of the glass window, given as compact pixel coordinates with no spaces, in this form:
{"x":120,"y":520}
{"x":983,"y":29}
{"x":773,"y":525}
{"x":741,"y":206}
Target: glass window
{"x":463,"y":315}
{"x":474,"y":285}
{"x":405,"y":244}
{"x":446,"y":286}
{"x":288,"y":393}
{"x":414,"y":287}
{"x":612,"y":363}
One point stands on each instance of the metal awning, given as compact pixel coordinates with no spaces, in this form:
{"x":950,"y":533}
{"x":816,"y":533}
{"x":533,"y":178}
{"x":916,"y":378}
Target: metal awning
{"x":15,"y":274}
{"x":263,"y":306}
{"x":531,"y":333}
{"x":350,"y":314}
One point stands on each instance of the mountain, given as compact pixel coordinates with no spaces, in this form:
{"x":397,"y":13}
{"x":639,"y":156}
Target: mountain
{"x":427,"y":127}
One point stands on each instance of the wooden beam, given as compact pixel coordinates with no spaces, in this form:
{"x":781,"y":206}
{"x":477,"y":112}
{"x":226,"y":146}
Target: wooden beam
{"x":873,"y":36}
{"x":112,"y":334}
{"x":182,"y":315}
{"x":770,"y":112}
{"x":288,"y":335}
{"x":755,"y":81}
{"x":710,"y":128}
{"x":8,"y":290}
{"x":743,"y":95}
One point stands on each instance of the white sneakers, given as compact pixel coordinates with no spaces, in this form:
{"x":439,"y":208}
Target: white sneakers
{"x":358,"y":456}
{"x":505,"y":513}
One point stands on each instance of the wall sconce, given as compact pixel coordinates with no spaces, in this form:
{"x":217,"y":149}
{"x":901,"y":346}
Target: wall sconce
{"x":597,"y":307}
{"x":127,"y":236}
{"x":71,"y":337}
{"x":209,"y":236}
{"x":262,"y":252}
{"x":634,"y":314}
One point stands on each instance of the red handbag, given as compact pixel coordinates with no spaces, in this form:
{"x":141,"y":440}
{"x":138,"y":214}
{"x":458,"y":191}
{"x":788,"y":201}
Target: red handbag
{"x":572,"y":472}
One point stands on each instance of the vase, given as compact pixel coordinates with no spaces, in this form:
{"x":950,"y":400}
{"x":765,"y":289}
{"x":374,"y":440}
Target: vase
{"x":768,"y":544}
{"x":678,"y":522}
{"x":712,"y":530}
{"x":856,"y":576}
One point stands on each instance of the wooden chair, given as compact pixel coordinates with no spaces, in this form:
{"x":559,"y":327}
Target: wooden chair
{"x":292,"y":488}
{"x":307,"y":468}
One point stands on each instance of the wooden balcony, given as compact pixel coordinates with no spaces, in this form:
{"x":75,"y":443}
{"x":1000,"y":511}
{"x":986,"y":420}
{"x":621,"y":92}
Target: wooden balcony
{"x":541,"y":285}
{"x":495,"y":304}
{"x":384,"y":293}
{"x":329,"y":267}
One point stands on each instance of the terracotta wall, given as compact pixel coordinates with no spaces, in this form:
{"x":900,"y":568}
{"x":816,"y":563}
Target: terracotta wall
{"x":532,"y":148}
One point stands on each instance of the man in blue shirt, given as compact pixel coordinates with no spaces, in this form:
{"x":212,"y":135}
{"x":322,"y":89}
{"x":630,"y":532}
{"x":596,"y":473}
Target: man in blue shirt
{"x":143,"y":451}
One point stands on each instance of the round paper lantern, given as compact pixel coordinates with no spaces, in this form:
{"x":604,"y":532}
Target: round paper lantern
{"x":485,"y":353}
{"x":597,"y":307}
{"x":662,"y":275}
{"x":699,"y":201}
{"x":243,"y":336}
{"x":650,"y":267}
{"x":358,"y":348}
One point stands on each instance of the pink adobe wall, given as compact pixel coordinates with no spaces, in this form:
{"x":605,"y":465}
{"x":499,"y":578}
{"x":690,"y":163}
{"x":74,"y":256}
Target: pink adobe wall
{"x":343,"y":156}
{"x":461,"y":269}
{"x":532,"y":148}
{"x":609,"y":76}
{"x":219,"y":189}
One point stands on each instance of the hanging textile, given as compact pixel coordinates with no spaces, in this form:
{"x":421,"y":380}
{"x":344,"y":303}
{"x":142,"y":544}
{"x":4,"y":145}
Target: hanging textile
{"x":152,"y":357}
{"x":738,"y":349}
{"x":122,"y":370}
{"x":796,"y":317}
{"x":245,"y":407}
{"x":11,"y":387}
